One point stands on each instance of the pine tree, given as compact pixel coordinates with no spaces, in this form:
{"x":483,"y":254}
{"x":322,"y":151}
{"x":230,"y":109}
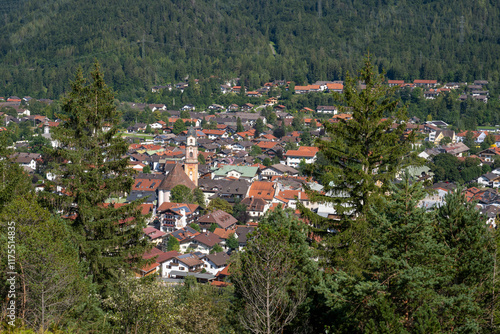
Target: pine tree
{"x":90,"y":169}
{"x":361,"y":158}
{"x":239,"y":125}
{"x":365,"y":152}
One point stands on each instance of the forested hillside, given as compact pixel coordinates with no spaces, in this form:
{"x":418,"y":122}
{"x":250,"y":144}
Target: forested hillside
{"x":142,"y":43}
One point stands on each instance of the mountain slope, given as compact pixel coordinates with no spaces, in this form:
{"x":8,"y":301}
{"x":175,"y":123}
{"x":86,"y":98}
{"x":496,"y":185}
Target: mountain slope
{"x":141,"y":43}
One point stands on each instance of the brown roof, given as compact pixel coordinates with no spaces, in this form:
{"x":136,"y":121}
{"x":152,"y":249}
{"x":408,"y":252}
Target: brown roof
{"x":218,"y":259}
{"x":219,"y":217}
{"x":254,"y":204}
{"x":190,"y":260}
{"x":176,"y":177}
{"x":161,"y":256}
{"x":207,"y":238}
{"x":262,"y":189}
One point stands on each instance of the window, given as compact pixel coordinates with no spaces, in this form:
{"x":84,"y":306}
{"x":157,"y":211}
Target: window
{"x":191,"y":154}
{"x":181,"y":268}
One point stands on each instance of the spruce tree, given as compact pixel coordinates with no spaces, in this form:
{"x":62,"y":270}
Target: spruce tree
{"x":90,"y":169}
{"x":362,"y":156}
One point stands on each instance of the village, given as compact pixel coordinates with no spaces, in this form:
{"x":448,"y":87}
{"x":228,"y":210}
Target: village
{"x":204,"y":188}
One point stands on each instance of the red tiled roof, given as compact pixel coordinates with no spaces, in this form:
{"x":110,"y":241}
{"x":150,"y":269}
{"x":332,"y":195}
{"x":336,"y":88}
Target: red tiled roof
{"x":262,"y":189}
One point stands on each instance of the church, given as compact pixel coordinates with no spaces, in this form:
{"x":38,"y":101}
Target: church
{"x":187,"y":176}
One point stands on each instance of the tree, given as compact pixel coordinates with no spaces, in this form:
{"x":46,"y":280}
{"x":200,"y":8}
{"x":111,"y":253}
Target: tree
{"x":306,"y":138}
{"x":271,"y":276}
{"x":239,"y":126}
{"x":259,"y":127}
{"x":148,"y":129}
{"x":255,"y":151}
{"x":213,"y":226}
{"x":146,"y":169}
{"x":445,"y":141}
{"x":199,"y":197}
{"x":173,"y":244}
{"x":195,"y":227}
{"x":201,"y":159}
{"x":219,"y":204}
{"x":143,"y":306}
{"x":185,"y":114}
{"x":364,"y":153}
{"x":470,"y":142}
{"x":232,"y":242}
{"x":267,"y":162}
{"x":91,"y":169}
{"x":216,"y":249}
{"x":468,"y":263}
{"x":179,"y":126}
{"x":181,"y":194}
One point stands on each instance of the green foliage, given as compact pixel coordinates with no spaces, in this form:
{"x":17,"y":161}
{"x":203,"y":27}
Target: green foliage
{"x":216,"y":249}
{"x":419,"y":261}
{"x":213,"y":226}
{"x":137,"y":59}
{"x":259,"y":127}
{"x":364,"y":153}
{"x":447,"y":167}
{"x":173,"y":244}
{"x":195,"y":226}
{"x":201,"y":159}
{"x":179,"y":126}
{"x":143,"y":306}
{"x":239,"y":126}
{"x":185,"y":114}
{"x":146,"y":169}
{"x":267,"y":162}
{"x":232,"y":242}
{"x":91,"y":169}
{"x":219,"y":204}
{"x":181,"y":194}
{"x":199,"y":197}
{"x":255,"y":151}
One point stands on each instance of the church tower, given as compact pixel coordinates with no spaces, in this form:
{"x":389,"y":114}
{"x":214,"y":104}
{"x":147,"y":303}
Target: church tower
{"x":191,"y":163}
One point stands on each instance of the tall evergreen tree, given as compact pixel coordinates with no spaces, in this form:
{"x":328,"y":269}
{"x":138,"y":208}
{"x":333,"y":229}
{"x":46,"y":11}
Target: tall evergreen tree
{"x":361,"y":158}
{"x":90,"y":169}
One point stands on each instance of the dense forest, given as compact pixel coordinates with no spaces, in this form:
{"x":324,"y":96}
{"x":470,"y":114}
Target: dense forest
{"x":142,"y":43}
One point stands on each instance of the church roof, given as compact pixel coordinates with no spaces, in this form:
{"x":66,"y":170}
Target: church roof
{"x":175,"y":177}
{"x":191,"y":132}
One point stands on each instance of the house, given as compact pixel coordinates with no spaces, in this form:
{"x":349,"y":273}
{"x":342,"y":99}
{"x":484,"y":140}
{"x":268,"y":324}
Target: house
{"x":220,"y":218}
{"x":184,"y":236}
{"x":256,"y":207}
{"x":247,"y":107}
{"x":174,"y":216}
{"x":236,"y":172}
{"x":438,"y":135}
{"x":278,"y":170}
{"x":304,"y":153}
{"x":205,"y":242}
{"x":215,"y":263}
{"x":180,"y":265}
{"x":393,"y":83}
{"x":489,"y":154}
{"x":28,"y":160}
{"x":425,"y":83}
{"x":229,"y":190}
{"x":154,"y":235}
{"x":489,"y":180}
{"x":242,"y":233}
{"x":327,"y":110}
{"x":160,"y":259}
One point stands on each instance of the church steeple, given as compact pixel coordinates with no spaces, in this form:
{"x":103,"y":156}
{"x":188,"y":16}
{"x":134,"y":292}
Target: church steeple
{"x":191,"y":163}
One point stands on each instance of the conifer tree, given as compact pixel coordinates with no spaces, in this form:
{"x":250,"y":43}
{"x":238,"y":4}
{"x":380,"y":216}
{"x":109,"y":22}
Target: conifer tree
{"x":90,"y":170}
